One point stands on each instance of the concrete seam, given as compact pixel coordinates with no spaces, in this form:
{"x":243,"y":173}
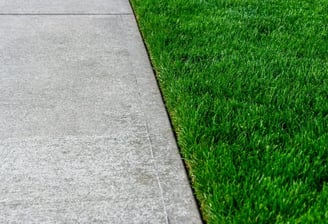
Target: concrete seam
{"x":157,"y":176}
{"x":145,"y":120}
{"x":66,"y":14}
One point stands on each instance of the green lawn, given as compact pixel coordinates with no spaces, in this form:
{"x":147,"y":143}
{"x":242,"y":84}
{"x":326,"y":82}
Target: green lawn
{"x":246,"y":85}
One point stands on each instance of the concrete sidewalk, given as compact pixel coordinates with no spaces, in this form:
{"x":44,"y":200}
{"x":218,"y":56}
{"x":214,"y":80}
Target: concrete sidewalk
{"x":84,"y":136}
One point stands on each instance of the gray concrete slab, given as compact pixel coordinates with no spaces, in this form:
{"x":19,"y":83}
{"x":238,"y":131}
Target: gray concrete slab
{"x":84,"y":136}
{"x":64,"y":6}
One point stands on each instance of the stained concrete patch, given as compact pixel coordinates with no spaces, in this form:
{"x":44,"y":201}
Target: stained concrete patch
{"x":64,"y":6}
{"x":84,"y":136}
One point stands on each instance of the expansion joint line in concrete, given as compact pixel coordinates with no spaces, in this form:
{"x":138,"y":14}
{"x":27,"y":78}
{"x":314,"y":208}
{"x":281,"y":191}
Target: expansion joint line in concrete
{"x":66,"y":14}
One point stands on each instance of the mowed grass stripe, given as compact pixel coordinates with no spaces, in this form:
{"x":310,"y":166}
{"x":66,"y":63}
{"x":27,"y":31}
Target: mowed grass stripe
{"x":246,"y":86}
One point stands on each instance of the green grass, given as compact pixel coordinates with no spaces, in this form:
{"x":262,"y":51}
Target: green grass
{"x":246,"y":86}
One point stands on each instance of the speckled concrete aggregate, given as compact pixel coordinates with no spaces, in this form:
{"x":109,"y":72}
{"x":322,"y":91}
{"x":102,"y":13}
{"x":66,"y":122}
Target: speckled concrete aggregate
{"x":84,"y":135}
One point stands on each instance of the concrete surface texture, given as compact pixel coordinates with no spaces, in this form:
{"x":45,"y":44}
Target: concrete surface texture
{"x":84,"y":136}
